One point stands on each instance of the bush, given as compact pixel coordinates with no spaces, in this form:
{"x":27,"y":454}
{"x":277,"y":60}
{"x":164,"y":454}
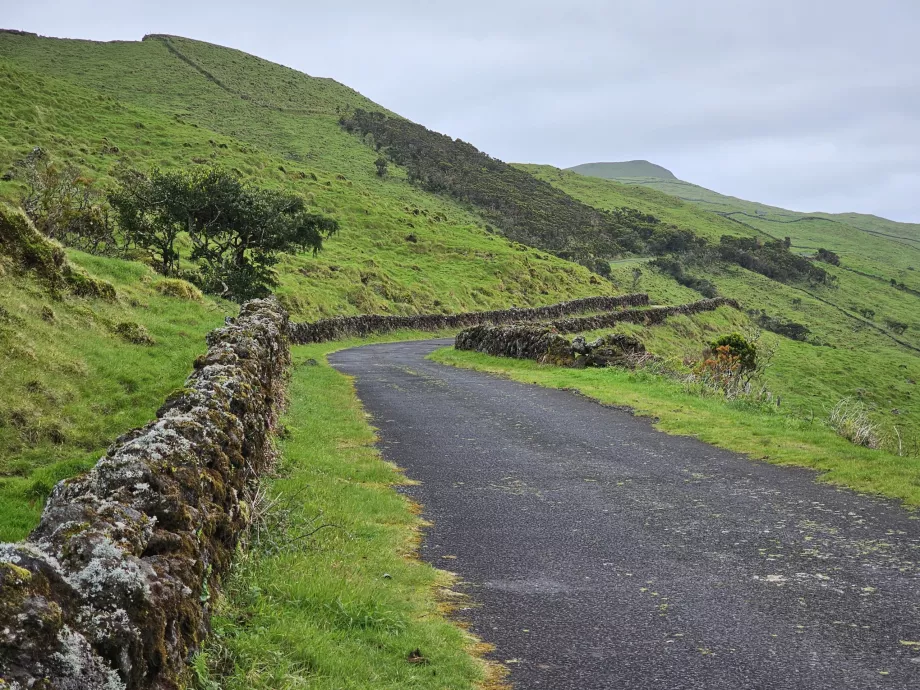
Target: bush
{"x":738,"y":346}
{"x":674,"y":268}
{"x":828,"y":257}
{"x":64,"y":205}
{"x":850,"y":419}
{"x":237,"y":230}
{"x":783,"y":327}
{"x":771,"y":259}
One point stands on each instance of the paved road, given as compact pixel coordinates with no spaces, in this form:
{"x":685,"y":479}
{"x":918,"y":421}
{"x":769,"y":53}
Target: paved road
{"x":601,"y":553}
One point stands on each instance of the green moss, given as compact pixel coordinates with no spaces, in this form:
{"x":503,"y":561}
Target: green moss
{"x":35,"y":253}
{"x":133,"y":333}
{"x":181,"y":289}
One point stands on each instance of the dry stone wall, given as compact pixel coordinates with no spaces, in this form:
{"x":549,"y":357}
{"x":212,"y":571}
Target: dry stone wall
{"x":546,"y":344}
{"x":357,"y":326}
{"x":650,"y":316}
{"x":112,"y":590}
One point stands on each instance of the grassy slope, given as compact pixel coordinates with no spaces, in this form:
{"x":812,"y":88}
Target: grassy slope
{"x":75,"y":98}
{"x":80,"y":100}
{"x":613,"y":171}
{"x":346,"y":607}
{"x":611,"y":195}
{"x":856,"y":359}
{"x":774,"y":219}
{"x":71,"y":385}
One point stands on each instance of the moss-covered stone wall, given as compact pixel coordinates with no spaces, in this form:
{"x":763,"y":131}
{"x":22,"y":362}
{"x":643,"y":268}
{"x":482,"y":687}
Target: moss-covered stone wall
{"x":352,"y":326}
{"x":113,"y":589}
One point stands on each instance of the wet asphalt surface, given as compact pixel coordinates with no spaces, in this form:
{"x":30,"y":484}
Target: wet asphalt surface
{"x":598,"y":552}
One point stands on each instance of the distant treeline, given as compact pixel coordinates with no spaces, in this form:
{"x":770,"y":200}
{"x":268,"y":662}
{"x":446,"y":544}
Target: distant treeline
{"x":522,"y":207}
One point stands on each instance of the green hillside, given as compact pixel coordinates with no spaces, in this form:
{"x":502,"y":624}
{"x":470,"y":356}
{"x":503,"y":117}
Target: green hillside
{"x":805,"y":228}
{"x":628,"y":169}
{"x":72,"y":384}
{"x":852,"y":350}
{"x":177,"y":103}
{"x":427,"y":223}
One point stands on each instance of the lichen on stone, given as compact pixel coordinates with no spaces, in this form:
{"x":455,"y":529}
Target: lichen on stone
{"x":106,"y":592}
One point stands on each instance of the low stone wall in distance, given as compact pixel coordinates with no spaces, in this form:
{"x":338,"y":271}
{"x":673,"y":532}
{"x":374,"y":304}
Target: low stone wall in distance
{"x":648,"y":317}
{"x":358,"y":326}
{"x":112,"y":590}
{"x":546,"y":344}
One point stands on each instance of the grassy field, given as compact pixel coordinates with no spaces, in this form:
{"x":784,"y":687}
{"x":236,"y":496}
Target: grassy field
{"x":760,"y":431}
{"x":72,"y":383}
{"x":400,"y":250}
{"x":852,"y":351}
{"x":333,"y":596}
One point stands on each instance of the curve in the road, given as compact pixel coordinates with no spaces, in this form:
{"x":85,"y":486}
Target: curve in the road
{"x":601,"y":553}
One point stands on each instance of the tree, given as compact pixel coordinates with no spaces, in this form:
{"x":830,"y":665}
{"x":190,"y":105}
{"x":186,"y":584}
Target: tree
{"x":381,"y":164}
{"x":636,"y":278}
{"x":236,"y":230}
{"x":63,"y":204}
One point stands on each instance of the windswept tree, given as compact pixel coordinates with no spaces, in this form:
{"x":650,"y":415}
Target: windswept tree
{"x":64,"y":205}
{"x":236,"y":230}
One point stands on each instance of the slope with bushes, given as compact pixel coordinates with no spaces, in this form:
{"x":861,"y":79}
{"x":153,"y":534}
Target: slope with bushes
{"x":399,"y":250}
{"x":863,"y":333}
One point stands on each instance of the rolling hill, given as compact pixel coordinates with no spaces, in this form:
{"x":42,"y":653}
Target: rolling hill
{"x":857,"y":347}
{"x":624,"y":169}
{"x":427,"y":223}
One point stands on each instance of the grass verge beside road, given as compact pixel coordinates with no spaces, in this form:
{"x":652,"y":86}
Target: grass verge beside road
{"x":332,"y":594}
{"x":761,"y":432}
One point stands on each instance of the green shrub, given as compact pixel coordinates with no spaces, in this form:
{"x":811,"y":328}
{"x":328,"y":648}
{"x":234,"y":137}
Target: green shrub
{"x":740,"y":347}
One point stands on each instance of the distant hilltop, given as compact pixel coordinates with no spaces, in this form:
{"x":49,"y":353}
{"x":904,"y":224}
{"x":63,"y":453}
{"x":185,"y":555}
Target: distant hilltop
{"x":614,"y":171}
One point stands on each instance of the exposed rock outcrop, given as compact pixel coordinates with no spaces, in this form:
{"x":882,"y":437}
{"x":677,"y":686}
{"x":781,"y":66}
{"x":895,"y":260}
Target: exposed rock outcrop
{"x":112,"y":589}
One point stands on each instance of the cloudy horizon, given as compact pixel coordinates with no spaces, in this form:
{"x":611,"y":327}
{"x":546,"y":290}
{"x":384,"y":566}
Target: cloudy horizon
{"x":812,"y":107}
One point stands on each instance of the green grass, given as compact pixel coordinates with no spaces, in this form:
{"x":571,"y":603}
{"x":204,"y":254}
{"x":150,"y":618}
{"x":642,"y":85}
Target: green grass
{"x":761,"y":432}
{"x":71,"y":384}
{"x":346,"y":607}
{"x":846,"y":357}
{"x":80,"y":100}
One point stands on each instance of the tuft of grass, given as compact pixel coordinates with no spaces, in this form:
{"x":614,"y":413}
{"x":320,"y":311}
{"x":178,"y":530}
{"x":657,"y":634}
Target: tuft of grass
{"x":333,"y":595}
{"x":850,"y":419}
{"x":759,"y":430}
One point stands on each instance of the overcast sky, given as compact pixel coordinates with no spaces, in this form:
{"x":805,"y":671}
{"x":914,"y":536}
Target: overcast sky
{"x":806,"y":104}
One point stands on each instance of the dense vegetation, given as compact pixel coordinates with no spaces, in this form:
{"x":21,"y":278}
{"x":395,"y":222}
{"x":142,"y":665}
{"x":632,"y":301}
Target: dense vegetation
{"x":522,"y":207}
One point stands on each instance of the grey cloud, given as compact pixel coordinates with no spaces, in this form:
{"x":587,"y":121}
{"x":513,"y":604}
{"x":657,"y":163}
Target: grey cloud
{"x":809,"y":105}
